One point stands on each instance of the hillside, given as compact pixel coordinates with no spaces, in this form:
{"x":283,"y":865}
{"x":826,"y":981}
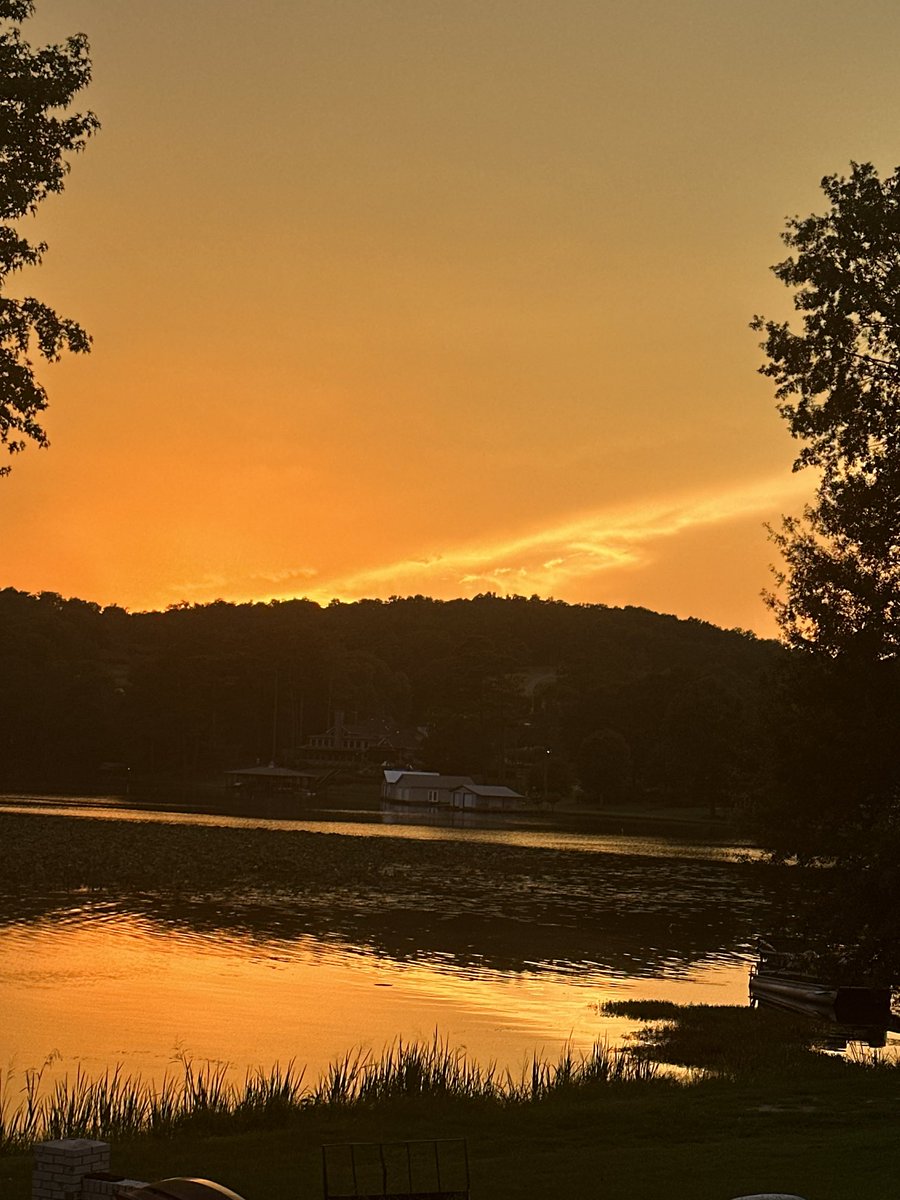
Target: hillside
{"x":539,"y":693}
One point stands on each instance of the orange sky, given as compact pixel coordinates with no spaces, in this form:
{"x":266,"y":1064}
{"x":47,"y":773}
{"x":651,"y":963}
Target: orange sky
{"x":442,"y":297}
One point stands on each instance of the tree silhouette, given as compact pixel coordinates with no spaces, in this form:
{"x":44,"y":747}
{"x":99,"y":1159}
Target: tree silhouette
{"x":838,"y":387}
{"x":36,"y":86}
{"x":835,"y":795}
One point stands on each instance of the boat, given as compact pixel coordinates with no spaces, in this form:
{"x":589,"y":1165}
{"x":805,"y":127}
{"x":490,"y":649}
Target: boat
{"x":785,"y":981}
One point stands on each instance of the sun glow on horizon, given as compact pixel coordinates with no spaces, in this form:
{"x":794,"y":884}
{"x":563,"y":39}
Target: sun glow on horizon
{"x":397,"y":299}
{"x":565,"y":557}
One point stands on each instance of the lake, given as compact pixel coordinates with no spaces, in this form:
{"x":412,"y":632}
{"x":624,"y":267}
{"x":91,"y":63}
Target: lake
{"x":134,"y":935}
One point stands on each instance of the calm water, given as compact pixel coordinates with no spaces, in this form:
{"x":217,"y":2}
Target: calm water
{"x":501,"y":964}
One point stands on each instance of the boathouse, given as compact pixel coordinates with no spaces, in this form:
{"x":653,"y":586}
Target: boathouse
{"x":483,"y":797}
{"x":433,"y":790}
{"x":428,"y":788}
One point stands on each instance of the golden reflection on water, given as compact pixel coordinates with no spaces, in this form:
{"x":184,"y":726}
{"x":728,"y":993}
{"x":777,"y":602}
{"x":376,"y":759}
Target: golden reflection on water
{"x":386,"y":826}
{"x":119,"y":989}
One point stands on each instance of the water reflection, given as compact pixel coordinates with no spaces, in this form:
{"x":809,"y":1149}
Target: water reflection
{"x":551,"y":834}
{"x":508,"y":899}
{"x":848,"y":1040}
{"x":623,"y":915}
{"x":127,"y":935}
{"x":100,"y":986}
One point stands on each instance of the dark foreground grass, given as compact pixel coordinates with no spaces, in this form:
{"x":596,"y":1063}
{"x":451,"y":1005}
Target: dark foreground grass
{"x":772,"y":1116}
{"x":204,"y":1100}
{"x":710,"y":1141}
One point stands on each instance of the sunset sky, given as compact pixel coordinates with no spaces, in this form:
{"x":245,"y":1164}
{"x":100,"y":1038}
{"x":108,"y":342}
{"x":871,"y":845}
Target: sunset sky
{"x":441,"y":297}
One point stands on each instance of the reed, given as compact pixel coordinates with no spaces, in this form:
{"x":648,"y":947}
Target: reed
{"x":203,"y":1098}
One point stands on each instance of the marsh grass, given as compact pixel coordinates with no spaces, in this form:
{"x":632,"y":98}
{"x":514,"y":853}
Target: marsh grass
{"x":435,"y":1069}
{"x":642,"y":1010}
{"x":738,"y":1043}
{"x":116,"y":1105}
{"x":708,"y":1042}
{"x":204,"y":1099}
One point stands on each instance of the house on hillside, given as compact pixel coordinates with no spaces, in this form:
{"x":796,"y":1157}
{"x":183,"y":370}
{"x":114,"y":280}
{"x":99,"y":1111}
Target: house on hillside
{"x":372,"y":740}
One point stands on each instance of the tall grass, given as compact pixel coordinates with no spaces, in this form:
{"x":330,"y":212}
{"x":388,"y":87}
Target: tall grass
{"x":116,"y":1105}
{"x":436,"y":1069}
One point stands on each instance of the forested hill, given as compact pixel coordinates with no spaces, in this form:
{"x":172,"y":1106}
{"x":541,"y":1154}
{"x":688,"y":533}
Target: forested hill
{"x":537,"y":693}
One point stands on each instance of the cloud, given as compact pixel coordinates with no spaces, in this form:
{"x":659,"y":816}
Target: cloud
{"x":251,"y":584}
{"x":545,"y":560}
{"x":558,"y":559}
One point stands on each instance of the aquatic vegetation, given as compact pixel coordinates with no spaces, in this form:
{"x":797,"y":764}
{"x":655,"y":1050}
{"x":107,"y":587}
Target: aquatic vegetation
{"x":728,"y":1041}
{"x":643,"y":1010}
{"x":437,"y":1069}
{"x":116,"y":1105}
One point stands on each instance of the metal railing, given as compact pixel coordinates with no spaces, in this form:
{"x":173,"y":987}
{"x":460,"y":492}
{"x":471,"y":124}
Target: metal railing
{"x":421,"y":1169}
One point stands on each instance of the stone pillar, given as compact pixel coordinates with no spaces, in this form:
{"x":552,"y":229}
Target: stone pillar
{"x":59,"y":1167}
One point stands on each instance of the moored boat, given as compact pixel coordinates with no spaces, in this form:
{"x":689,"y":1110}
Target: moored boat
{"x":781,"y":980}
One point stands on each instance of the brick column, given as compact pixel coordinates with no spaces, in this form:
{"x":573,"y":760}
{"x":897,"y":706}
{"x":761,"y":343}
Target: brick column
{"x":60,"y":1166}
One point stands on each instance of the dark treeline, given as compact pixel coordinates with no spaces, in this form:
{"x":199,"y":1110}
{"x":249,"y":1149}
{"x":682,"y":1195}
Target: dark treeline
{"x":545,"y":696}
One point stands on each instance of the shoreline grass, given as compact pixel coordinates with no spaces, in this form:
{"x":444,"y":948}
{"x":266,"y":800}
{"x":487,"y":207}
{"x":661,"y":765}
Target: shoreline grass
{"x":808,"y":1124}
{"x":117,"y":1106}
{"x":706,"y":1043}
{"x":755,"y":1046}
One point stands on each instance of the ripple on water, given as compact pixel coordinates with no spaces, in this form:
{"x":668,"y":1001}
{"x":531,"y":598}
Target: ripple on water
{"x":512,"y":955}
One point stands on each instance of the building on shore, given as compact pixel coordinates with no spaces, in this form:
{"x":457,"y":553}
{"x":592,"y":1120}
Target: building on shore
{"x":483,"y":797}
{"x":430,"y":789}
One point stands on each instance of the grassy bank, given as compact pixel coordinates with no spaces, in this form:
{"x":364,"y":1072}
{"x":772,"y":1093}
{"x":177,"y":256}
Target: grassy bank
{"x":759,"y":1111}
{"x":203,"y":1099}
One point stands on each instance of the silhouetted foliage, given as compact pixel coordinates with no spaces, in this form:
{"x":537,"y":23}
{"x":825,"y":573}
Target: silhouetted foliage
{"x":838,"y":386}
{"x":604,"y":766}
{"x":707,"y":730}
{"x":835,"y":795}
{"x":35,"y":87}
{"x":508,"y":690}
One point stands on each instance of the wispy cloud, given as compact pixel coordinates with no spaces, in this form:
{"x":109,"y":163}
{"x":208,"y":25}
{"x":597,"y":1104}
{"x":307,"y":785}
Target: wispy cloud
{"x":252,"y":584}
{"x":554,"y":560}
{"x":546,"y":560}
